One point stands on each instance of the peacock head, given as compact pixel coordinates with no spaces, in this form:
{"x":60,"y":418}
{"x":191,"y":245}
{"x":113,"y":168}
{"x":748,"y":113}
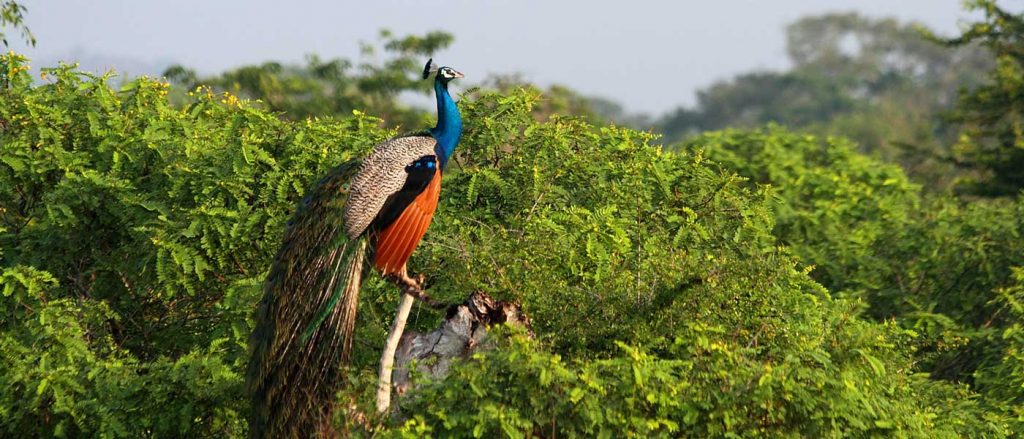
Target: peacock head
{"x":444,"y":74}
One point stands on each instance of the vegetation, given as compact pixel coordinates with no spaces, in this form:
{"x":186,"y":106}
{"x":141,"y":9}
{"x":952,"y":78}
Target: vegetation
{"x":939,"y":267}
{"x":752,"y":281}
{"x":335,"y":87}
{"x":991,"y":117}
{"x":882,"y":83}
{"x":12,"y":14}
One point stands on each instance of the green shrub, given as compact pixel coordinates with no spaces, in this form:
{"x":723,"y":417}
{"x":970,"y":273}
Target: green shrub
{"x":835,"y":208}
{"x":937,"y":265}
{"x":136,"y":236}
{"x":700,"y":384}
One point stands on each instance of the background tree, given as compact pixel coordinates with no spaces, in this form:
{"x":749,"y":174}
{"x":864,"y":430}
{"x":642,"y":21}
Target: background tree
{"x":334,"y":87}
{"x":12,"y":14}
{"x":991,"y":117}
{"x":880,"y":82}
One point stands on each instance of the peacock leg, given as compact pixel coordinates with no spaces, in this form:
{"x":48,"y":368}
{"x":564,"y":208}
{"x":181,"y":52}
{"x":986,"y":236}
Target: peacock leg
{"x":414,"y":282}
{"x":413,"y":285}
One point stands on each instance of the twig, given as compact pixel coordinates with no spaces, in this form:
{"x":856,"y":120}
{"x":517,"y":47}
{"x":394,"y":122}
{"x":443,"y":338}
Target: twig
{"x":412,"y":289}
{"x":387,"y":358}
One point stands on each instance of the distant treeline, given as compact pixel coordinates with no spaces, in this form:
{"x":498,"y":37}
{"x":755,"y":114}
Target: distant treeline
{"x":891,"y":87}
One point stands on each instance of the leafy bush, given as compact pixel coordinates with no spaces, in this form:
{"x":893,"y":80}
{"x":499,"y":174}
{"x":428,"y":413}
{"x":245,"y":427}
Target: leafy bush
{"x":936,"y":265}
{"x":1003,"y":381}
{"x":135,"y":239}
{"x":700,"y":384}
{"x":622,"y":241}
{"x":136,"y":235}
{"x":836,"y":208}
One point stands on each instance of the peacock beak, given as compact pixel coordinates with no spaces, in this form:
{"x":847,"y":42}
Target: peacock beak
{"x":458,"y":74}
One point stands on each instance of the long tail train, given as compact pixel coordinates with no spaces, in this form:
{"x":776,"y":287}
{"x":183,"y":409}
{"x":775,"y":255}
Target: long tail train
{"x":305,"y":321}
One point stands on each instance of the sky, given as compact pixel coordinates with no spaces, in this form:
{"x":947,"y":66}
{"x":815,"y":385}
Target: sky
{"x":651,"y":56}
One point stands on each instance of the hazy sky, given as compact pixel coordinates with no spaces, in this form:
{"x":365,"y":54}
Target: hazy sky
{"x":651,"y":56}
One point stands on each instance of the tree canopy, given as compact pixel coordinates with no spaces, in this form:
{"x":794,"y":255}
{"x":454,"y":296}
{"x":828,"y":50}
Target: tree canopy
{"x":12,"y":14}
{"x":333,"y":87}
{"x":882,"y":83}
{"x":990,"y":117}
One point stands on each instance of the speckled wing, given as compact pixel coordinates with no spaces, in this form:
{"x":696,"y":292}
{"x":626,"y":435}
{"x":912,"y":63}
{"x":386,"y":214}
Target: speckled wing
{"x":382,"y":174}
{"x":406,"y":215}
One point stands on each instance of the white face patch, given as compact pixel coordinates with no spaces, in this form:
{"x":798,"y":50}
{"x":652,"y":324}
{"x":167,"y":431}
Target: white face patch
{"x":448,"y":73}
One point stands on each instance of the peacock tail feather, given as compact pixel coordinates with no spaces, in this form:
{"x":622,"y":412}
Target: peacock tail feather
{"x":305,"y":321}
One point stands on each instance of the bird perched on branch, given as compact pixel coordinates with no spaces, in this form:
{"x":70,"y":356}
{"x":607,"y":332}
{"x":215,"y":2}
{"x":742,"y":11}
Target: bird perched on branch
{"x":362,"y":214}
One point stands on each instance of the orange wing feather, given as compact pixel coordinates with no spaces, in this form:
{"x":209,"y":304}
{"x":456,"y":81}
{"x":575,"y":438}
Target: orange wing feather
{"x":396,"y":243}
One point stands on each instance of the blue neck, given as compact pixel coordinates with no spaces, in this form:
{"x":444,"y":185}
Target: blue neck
{"x":449,"y":123}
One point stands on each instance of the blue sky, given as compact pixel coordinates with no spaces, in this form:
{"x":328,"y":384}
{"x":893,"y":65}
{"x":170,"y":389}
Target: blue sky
{"x":651,"y":56}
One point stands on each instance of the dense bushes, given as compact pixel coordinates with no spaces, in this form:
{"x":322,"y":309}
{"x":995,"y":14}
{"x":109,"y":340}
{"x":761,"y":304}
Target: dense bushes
{"x":136,"y":235}
{"x":836,"y":208}
{"x":135,"y":238}
{"x":939,"y":266}
{"x":702,"y":384}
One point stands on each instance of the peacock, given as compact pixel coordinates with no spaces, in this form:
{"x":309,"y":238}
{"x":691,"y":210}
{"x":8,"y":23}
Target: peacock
{"x":362,"y":214}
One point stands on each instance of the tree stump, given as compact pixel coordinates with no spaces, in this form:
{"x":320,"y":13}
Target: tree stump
{"x":463,"y":332}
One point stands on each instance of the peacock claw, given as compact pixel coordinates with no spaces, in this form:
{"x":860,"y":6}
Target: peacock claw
{"x":413,"y":285}
{"x":412,"y":282}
